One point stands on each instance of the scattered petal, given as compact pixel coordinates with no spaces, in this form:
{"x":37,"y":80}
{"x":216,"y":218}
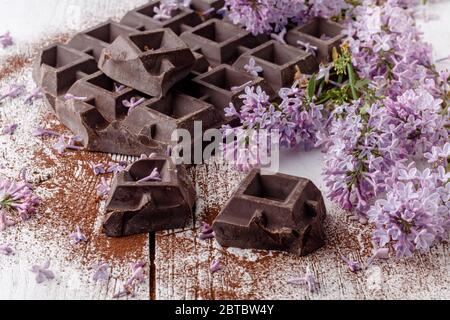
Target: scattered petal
{"x":100,"y":271}
{"x":43,"y":273}
{"x":154,"y":176}
{"x":6,"y":250}
{"x":215,"y":266}
{"x":77,"y":236}
{"x":10,"y":129}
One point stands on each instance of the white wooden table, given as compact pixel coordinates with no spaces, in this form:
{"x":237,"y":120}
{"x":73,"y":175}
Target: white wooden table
{"x":178,"y":264}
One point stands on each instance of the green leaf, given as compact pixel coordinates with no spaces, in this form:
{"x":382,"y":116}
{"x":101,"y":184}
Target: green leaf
{"x":312,"y":87}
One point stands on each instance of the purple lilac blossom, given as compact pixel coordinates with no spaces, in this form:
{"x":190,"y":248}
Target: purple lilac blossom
{"x":154,"y":176}
{"x":35,"y":94}
{"x":265,"y":16}
{"x":6,"y":250}
{"x":308,"y":279}
{"x":97,"y":168}
{"x":114,"y":167}
{"x":17,"y":197}
{"x":215,"y":266}
{"x":352,"y":265}
{"x":77,"y":236}
{"x":100,"y":271}
{"x":13,"y":92}
{"x":9,"y":129}
{"x":5,"y":221}
{"x":206,"y":232}
{"x":252,"y":68}
{"x":6,"y":40}
{"x":103,"y":188}
{"x":132,"y":103}
{"x":43,"y":273}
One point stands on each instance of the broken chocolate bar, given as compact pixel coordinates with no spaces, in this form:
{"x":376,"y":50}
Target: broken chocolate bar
{"x":152,"y":82}
{"x":151,"y":195}
{"x":150,"y":62}
{"x":273,"y":212}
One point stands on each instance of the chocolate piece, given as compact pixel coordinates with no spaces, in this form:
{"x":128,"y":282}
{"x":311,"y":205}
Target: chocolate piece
{"x":97,"y":118}
{"x":140,"y":207}
{"x":219,"y":41}
{"x":143,"y":18}
{"x":106,"y":125}
{"x":273,"y":212}
{"x":95,"y":39}
{"x":223,"y":85}
{"x":321,"y":33}
{"x":206,"y":5}
{"x":58,"y":67}
{"x":151,"y":62}
{"x":279,"y":62}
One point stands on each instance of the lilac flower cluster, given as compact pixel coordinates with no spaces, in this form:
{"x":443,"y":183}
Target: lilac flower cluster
{"x":265,"y":16}
{"x":294,"y":120}
{"x":371,"y":141}
{"x":387,"y":49}
{"x":415,"y":213}
{"x":366,"y":142}
{"x":16,"y":197}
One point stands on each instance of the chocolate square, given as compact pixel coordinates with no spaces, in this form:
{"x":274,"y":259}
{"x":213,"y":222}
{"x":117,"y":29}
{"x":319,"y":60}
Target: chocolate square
{"x":58,"y":67}
{"x":279,"y":62}
{"x":321,"y":33}
{"x":150,"y":62}
{"x":94,"y":40}
{"x":273,"y":212}
{"x":140,"y":207}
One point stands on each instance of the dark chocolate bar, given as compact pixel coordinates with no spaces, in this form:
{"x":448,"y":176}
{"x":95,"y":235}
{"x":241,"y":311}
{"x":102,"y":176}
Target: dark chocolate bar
{"x":273,"y":212}
{"x":219,"y":41}
{"x":151,"y":62}
{"x":140,"y":207}
{"x":279,"y":63}
{"x":320,"y":33}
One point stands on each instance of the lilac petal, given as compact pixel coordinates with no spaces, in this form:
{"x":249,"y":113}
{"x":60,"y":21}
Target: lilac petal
{"x":10,"y":129}
{"x":34,"y":95}
{"x":215,"y":266}
{"x":48,"y":274}
{"x":352,"y":265}
{"x":6,"y":40}
{"x":154,"y":176}
{"x":40,"y":277}
{"x":6,"y":250}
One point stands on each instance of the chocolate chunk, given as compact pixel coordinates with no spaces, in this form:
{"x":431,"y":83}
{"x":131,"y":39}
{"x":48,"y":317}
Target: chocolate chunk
{"x":94,"y":40}
{"x":145,"y":18}
{"x":151,"y":62}
{"x":106,"y":125}
{"x":219,"y":41}
{"x":279,"y":63}
{"x":140,"y":207}
{"x":321,"y":33}
{"x":273,"y":212}
{"x":58,"y":67}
